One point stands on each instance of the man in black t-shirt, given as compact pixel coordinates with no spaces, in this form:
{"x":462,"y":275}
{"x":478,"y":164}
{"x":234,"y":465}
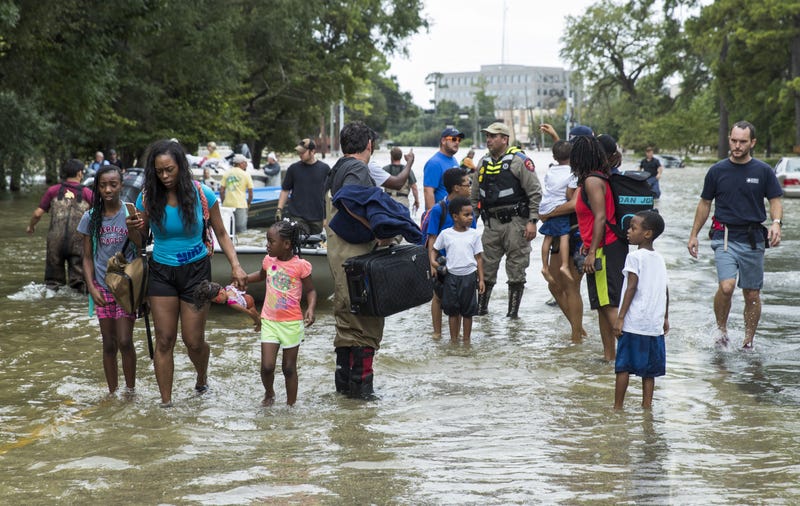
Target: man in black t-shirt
{"x":738,"y":185}
{"x":652,"y":166}
{"x":304,"y":188}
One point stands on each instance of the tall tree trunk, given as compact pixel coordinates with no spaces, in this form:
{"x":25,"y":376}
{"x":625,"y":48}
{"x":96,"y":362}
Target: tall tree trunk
{"x":722,"y":139}
{"x":258,"y":147}
{"x":51,"y":165}
{"x":795,"y":74}
{"x":17,"y":162}
{"x":722,"y":133}
{"x":255,"y":154}
{"x":2,"y":174}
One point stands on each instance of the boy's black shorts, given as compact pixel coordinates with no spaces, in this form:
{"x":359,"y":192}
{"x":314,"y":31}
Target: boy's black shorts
{"x":460,"y":295}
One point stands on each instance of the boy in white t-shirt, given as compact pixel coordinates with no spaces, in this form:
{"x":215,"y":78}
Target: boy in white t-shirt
{"x":643,"y":315}
{"x":559,"y":185}
{"x":463,"y":247}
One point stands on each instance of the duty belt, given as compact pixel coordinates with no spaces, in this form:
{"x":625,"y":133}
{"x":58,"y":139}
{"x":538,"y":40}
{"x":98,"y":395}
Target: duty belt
{"x":505,"y":214}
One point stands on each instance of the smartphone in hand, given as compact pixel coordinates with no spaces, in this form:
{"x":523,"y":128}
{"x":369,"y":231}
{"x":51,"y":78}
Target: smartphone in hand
{"x":598,"y":264}
{"x":132,"y":211}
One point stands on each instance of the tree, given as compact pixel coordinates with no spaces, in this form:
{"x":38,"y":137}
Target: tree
{"x":303,"y":57}
{"x":731,"y":32}
{"x":613,"y":45}
{"x":122,"y":73}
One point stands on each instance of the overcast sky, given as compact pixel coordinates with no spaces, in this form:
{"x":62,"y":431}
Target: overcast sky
{"x":466,"y":34}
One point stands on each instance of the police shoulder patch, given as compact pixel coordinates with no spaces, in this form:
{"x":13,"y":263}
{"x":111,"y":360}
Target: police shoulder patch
{"x":529,"y":165}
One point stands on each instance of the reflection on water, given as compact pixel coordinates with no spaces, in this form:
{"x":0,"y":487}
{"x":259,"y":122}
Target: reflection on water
{"x":520,"y":416}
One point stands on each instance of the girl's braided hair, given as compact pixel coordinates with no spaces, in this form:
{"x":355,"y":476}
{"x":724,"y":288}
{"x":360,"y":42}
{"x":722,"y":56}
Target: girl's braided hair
{"x":289,"y":230}
{"x":587,"y":156}
{"x":98,"y":204}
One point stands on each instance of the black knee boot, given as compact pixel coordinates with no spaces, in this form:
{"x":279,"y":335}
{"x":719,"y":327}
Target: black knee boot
{"x":342,"y":375}
{"x":361,"y":372}
{"x":514,"y":298}
{"x":483,"y":300}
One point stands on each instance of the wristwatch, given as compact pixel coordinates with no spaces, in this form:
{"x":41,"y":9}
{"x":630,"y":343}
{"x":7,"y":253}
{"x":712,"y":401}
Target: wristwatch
{"x":533,"y":221}
{"x":778,"y":221}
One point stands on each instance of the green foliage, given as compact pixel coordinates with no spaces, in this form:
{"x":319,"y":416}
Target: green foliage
{"x":733,"y":56}
{"x":613,"y":45}
{"x":21,"y":133}
{"x":122,"y":73}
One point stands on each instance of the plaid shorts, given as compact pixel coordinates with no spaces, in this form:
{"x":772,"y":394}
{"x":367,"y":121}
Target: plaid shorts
{"x":111,"y":309}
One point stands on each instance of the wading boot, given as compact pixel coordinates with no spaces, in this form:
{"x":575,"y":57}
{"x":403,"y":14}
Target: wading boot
{"x":342,"y":375}
{"x":361,"y":372}
{"x":514,"y":298}
{"x":483,"y":300}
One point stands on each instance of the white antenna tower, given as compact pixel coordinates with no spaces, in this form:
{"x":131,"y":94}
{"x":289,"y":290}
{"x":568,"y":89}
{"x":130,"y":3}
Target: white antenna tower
{"x":503,"y":32}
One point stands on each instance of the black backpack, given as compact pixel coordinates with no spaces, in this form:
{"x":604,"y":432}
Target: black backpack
{"x":632,"y":193}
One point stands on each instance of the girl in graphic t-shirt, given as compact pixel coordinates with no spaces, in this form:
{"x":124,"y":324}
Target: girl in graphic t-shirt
{"x":282,"y":319}
{"x":104,"y":234}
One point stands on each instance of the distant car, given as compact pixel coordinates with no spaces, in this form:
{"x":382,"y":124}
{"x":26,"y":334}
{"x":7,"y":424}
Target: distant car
{"x":670,"y":161}
{"x":788,"y":172}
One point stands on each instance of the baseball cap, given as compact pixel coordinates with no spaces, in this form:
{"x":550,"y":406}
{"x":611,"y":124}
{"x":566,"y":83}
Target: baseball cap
{"x":497,"y":128}
{"x":451,"y":132}
{"x":237,"y":159}
{"x":305,"y":145}
{"x":580,"y":130}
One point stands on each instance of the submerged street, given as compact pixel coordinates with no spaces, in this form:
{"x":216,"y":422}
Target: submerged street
{"x":520,"y":416}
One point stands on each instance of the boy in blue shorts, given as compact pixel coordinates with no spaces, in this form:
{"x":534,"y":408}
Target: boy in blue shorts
{"x":643,"y":314}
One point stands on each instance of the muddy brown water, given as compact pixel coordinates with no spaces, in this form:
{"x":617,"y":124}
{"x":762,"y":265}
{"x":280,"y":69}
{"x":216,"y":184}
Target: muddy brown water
{"x":522,"y":416}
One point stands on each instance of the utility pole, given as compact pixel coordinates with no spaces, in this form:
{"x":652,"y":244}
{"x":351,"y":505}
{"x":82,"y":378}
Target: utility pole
{"x":568,"y":112}
{"x":503,"y":34}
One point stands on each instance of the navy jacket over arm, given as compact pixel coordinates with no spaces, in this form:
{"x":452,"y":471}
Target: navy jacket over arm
{"x":387,"y":218}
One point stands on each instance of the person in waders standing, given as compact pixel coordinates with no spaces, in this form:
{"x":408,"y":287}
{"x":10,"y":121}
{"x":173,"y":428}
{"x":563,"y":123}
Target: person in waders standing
{"x":66,"y":202}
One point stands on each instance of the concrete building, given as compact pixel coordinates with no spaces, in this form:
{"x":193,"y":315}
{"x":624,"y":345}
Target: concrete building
{"x":521,"y":92}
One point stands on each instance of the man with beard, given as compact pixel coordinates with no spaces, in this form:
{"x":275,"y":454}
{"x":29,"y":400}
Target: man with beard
{"x":738,"y":186}
{"x":433,"y":184}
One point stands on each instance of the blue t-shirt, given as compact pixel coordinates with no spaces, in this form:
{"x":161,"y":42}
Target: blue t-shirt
{"x":436,"y":215}
{"x":434,"y":173}
{"x":738,"y":192}
{"x":174,"y":243}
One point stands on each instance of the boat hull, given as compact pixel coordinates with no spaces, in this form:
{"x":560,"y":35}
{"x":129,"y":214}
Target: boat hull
{"x":250,"y":258}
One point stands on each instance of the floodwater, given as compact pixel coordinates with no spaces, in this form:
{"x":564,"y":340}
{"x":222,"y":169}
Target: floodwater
{"x":522,"y":416}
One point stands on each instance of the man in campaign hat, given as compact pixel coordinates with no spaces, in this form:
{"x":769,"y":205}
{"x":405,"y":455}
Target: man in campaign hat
{"x":506,"y":190}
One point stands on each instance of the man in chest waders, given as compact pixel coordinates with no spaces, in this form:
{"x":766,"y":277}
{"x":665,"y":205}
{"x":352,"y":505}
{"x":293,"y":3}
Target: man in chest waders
{"x":66,"y":202}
